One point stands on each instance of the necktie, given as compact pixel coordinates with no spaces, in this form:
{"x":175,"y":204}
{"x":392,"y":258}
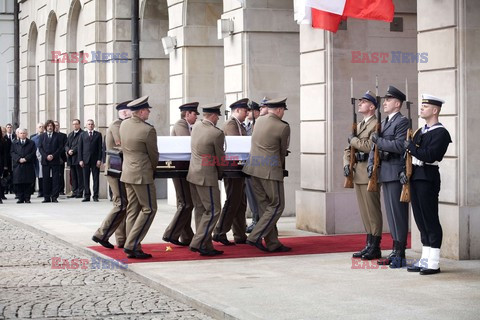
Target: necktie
{"x":23,"y":142}
{"x":91,"y":135}
{"x":386,"y":120}
{"x":362,"y":124}
{"x":49,"y":135}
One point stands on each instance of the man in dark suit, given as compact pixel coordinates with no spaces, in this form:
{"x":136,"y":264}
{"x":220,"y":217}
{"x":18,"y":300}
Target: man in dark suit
{"x":38,"y":166}
{"x":23,"y":154}
{"x":63,"y":137}
{"x":51,"y":148}
{"x":10,"y":136}
{"x":391,"y":150}
{"x":90,"y":158}
{"x":76,"y":172}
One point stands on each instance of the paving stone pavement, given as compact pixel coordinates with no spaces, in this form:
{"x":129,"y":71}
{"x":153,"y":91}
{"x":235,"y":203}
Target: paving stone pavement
{"x":34,"y":284}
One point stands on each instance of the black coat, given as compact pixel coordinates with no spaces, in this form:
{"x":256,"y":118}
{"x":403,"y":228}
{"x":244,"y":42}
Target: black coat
{"x":73,"y":140}
{"x":63,"y":139}
{"x":3,"y":155}
{"x":90,"y":149}
{"x":23,"y":172}
{"x":53,"y":146}
{"x":8,"y":159}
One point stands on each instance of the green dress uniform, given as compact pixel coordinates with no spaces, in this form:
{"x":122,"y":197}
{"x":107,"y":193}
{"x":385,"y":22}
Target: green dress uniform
{"x":140,"y":159}
{"x":233,"y":212}
{"x":270,"y":141}
{"x":203,"y":174}
{"x":181,"y":225}
{"x":115,"y":219}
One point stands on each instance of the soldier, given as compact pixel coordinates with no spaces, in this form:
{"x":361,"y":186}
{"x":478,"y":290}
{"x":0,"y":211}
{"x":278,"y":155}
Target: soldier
{"x":390,"y":144}
{"x":115,"y":220}
{"x":140,"y":158}
{"x":265,"y":166}
{"x":203,"y":174}
{"x":179,"y":231}
{"x":368,"y":202}
{"x":427,"y":147}
{"x":253,"y":114}
{"x":76,"y":172}
{"x":233,"y":213}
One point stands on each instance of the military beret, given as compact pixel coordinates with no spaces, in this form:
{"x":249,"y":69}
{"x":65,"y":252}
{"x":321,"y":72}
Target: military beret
{"x":191,"y":106}
{"x":212,"y":108}
{"x":429,"y":99}
{"x":393,"y":92}
{"x":277,"y":103}
{"x":252,"y":105}
{"x":370,"y":96}
{"x":242,"y":103}
{"x":138,"y":104}
{"x":123,"y":105}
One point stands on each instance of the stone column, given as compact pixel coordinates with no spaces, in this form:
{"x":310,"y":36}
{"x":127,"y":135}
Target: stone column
{"x":448,"y":32}
{"x":261,"y":59}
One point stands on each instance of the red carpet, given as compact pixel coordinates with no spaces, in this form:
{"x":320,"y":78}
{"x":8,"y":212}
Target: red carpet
{"x":300,"y":245}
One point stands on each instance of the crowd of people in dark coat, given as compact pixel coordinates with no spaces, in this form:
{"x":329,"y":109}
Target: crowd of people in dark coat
{"x":40,"y":161}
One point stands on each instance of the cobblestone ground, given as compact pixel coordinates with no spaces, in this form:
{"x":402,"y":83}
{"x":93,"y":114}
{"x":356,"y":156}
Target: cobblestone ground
{"x":30,"y":288}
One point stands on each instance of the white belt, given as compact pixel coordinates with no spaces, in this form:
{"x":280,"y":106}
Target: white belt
{"x":420,"y":163}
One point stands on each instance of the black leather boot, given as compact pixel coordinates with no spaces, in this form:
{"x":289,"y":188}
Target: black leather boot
{"x":360,"y":253}
{"x":388,"y":259}
{"x":374,"y":252}
{"x":398,"y":260}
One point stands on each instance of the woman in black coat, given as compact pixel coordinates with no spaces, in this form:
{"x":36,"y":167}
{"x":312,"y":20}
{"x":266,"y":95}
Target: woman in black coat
{"x":23,"y":152}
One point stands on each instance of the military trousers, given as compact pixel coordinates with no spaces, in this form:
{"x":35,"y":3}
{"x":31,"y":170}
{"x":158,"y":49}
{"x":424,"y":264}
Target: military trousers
{"x":116,"y":218}
{"x":370,"y":209}
{"x":396,"y":211}
{"x":251,"y":199}
{"x":271,"y":203}
{"x":233,"y":212}
{"x":181,"y":225}
{"x":207,"y":210}
{"x":141,"y":210}
{"x":424,"y":196}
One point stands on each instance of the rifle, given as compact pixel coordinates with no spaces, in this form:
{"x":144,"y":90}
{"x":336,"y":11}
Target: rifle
{"x":349,"y":179}
{"x":405,"y":195}
{"x":373,"y":181}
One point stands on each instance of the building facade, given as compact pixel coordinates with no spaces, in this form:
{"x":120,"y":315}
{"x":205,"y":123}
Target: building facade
{"x":6,"y":61}
{"x":263,"y":52}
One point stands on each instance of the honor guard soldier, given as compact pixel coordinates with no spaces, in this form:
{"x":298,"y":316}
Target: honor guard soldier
{"x":115,"y":220}
{"x":203,"y":174}
{"x":140,"y":159}
{"x":179,"y":231}
{"x":368,"y":202}
{"x":233,"y":213}
{"x":265,"y":165}
{"x":427,"y":147}
{"x":391,"y":150}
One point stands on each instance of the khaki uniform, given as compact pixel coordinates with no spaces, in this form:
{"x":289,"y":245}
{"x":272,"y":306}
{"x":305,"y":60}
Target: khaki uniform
{"x":233,"y":212}
{"x":207,"y":140}
{"x":368,"y":202}
{"x":181,"y":225}
{"x":270,"y":141}
{"x":115,"y":220}
{"x":140,"y":158}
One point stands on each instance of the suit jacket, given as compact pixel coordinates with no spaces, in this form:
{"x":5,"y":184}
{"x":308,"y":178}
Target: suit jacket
{"x":270,"y":142}
{"x":140,"y":151}
{"x":24,"y":172}
{"x":53,"y":146}
{"x":207,"y":154}
{"x":429,"y":147}
{"x":73,"y":141}
{"x":7,"y":158}
{"x":180,"y":128}
{"x":3,"y":155}
{"x":394,"y":134}
{"x":112,"y":135}
{"x":90,"y":149}
{"x":233,"y":127}
{"x":63,"y":138}
{"x":361,"y":143}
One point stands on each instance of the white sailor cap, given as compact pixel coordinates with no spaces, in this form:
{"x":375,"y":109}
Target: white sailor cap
{"x":429,"y":99}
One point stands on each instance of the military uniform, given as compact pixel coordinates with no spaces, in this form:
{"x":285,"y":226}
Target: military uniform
{"x":140,"y":159}
{"x":207,"y":141}
{"x":427,"y":147}
{"x":390,"y":144}
{"x":265,"y":165}
{"x":368,"y":202}
{"x":233,"y":213}
{"x":181,"y":225}
{"x":115,"y":220}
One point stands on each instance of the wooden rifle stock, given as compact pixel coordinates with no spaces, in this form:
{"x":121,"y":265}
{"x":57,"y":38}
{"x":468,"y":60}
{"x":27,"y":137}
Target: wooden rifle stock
{"x":349,"y":179}
{"x":405,"y":195}
{"x":373,"y":181}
